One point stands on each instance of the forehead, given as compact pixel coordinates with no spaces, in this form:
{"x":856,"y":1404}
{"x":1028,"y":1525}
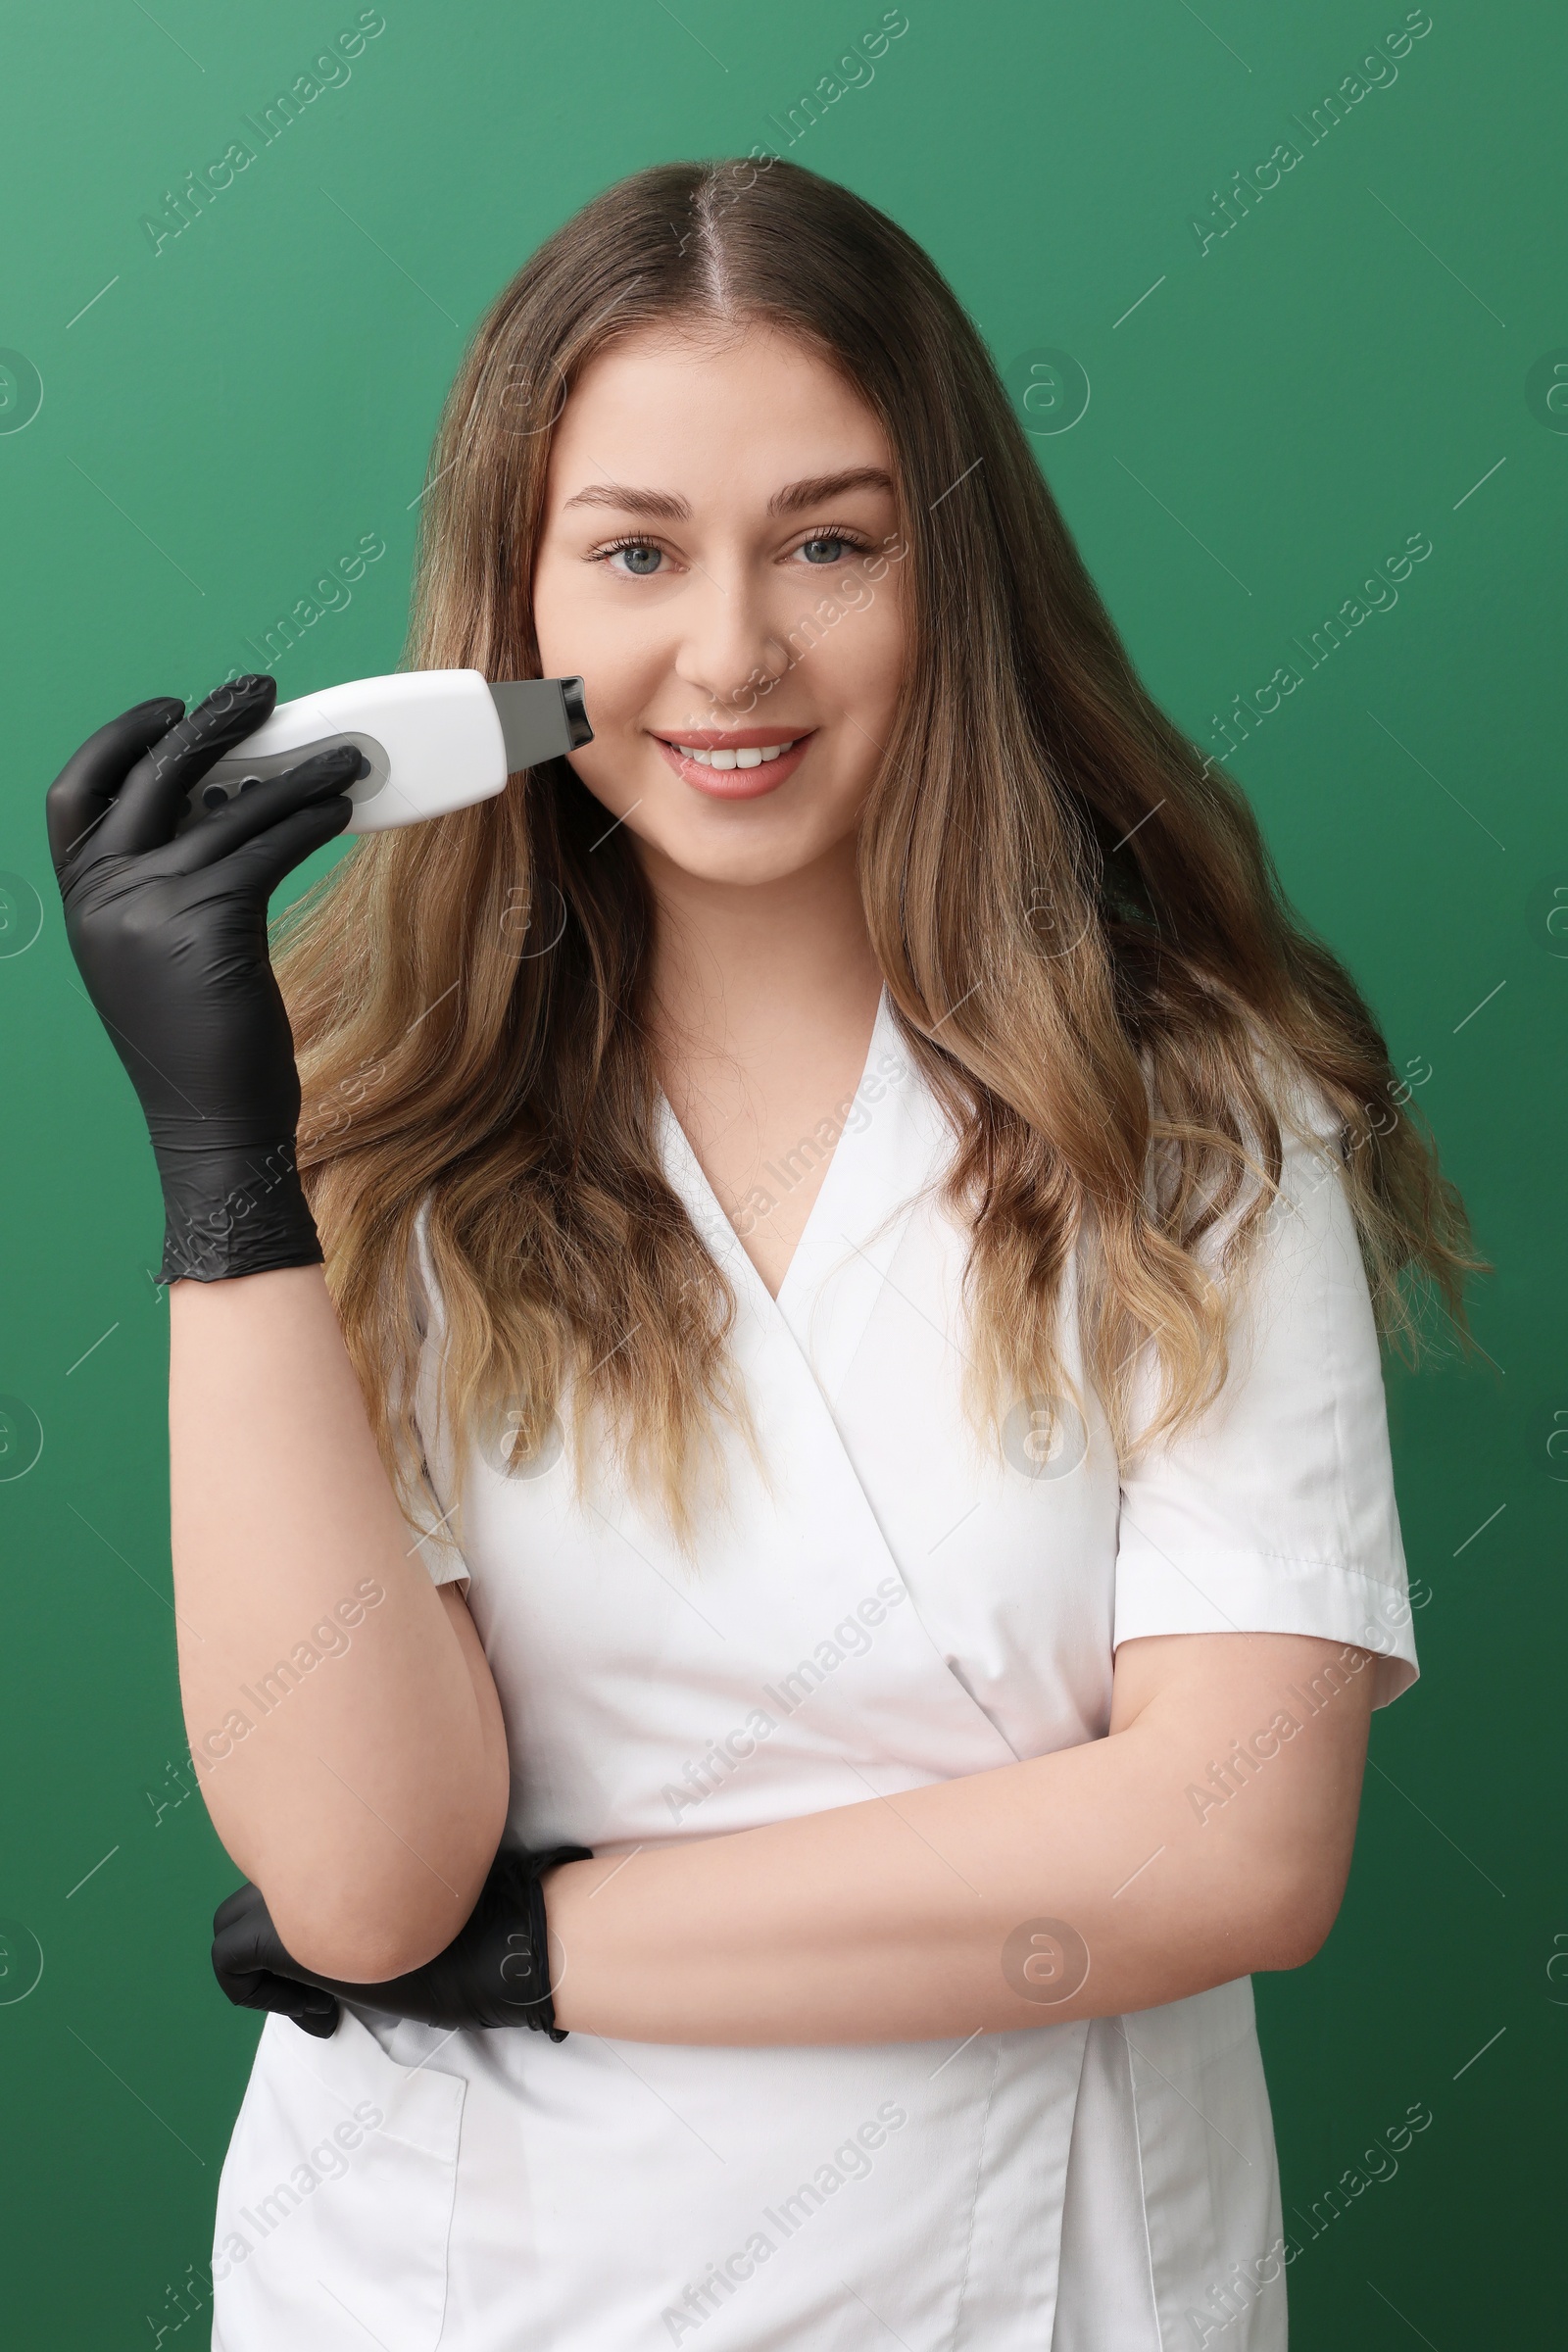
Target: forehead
{"x":703,"y":411}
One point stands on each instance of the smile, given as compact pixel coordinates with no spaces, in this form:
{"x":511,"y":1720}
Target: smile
{"x":740,"y":764}
{"x":756,"y":755}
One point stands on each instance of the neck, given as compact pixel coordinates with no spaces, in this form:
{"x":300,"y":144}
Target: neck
{"x":741,"y":971}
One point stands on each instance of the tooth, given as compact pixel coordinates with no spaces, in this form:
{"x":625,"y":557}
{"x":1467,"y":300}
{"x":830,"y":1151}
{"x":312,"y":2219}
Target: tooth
{"x":771,"y":750}
{"x":749,"y":759}
{"x":722,"y":758}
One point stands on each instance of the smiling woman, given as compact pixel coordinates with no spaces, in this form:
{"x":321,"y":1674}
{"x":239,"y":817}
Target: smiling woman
{"x":1057,"y":1374}
{"x":736,"y":546}
{"x":574,"y":510}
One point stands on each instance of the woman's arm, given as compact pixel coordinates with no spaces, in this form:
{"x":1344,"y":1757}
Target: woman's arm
{"x":342,"y":1718}
{"x":341,"y":1713}
{"x":910,"y":1918}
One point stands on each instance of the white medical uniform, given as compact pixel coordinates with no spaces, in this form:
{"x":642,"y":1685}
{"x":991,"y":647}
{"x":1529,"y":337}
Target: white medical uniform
{"x":888,"y":1607}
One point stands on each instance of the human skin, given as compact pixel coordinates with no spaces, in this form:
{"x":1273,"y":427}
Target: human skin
{"x":368,"y":1806}
{"x":889,"y":1919}
{"x":763,"y":979}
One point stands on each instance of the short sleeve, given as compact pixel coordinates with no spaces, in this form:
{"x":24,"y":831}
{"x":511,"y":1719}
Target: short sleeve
{"x":432,"y":1493}
{"x":1275,"y":1512}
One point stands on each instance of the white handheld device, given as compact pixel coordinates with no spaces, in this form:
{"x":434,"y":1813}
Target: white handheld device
{"x":429,"y":740}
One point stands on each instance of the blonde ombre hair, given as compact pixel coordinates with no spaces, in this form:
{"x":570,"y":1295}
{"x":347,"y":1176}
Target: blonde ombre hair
{"x":1080,"y":928}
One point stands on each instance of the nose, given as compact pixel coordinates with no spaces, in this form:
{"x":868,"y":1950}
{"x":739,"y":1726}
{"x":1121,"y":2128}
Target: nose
{"x":729,"y":656}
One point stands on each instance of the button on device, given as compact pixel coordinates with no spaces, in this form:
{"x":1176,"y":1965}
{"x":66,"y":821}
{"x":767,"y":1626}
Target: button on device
{"x":215,"y":796}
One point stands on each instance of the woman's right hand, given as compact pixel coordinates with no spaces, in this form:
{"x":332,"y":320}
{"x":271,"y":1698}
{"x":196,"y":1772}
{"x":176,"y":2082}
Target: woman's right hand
{"x":494,"y":1971}
{"x":169,"y":936}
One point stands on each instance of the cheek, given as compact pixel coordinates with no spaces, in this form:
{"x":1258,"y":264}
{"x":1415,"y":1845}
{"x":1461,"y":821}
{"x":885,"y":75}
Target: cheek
{"x":567,"y":621}
{"x":860,"y":666}
{"x":601,"y":766}
{"x":582,"y":633}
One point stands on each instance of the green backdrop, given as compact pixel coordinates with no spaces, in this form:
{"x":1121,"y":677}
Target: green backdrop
{"x":1316,"y":310}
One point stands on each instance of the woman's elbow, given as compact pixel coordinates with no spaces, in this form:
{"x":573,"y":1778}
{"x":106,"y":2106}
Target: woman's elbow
{"x":1288,"y":1922}
{"x":372,"y":1936}
{"x":350,"y":1954}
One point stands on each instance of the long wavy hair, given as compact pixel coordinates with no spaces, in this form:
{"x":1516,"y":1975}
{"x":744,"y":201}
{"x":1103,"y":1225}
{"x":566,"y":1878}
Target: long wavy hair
{"x":1081,"y":931}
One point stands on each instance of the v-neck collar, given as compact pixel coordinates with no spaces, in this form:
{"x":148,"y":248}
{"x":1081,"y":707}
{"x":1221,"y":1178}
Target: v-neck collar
{"x":878,"y":1170}
{"x":678,"y":1144}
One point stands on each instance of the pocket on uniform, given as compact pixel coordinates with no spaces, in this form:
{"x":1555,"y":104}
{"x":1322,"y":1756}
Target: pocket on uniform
{"x":336,"y":2197}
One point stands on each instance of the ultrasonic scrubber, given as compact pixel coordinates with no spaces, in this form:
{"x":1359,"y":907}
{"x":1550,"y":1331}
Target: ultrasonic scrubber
{"x":430,"y":741}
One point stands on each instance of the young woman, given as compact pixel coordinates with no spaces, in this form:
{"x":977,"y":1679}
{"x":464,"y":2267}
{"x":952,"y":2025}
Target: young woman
{"x":844,"y":1383}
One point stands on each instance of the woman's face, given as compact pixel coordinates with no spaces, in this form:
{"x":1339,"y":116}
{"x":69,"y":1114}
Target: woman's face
{"x":720,"y":563}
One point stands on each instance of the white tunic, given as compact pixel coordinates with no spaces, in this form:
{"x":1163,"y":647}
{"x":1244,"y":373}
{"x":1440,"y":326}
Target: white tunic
{"x":888,"y":1607}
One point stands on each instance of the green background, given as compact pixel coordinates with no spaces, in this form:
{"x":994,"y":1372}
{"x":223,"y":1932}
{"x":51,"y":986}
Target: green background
{"x":1268,"y":419}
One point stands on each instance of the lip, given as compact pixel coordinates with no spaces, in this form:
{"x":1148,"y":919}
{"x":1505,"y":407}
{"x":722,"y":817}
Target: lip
{"x":731,"y":739}
{"x":736,"y":783}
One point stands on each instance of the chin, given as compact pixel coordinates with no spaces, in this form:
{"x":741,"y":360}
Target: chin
{"x":738,"y":864}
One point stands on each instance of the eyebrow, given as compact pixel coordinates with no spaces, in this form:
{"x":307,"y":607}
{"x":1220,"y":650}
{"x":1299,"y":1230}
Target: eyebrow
{"x":662,"y":506}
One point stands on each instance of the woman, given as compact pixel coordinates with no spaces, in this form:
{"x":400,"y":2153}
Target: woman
{"x":855,"y":1223}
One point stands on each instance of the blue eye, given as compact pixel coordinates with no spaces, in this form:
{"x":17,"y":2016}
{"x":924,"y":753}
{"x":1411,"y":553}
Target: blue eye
{"x":641,"y":560}
{"x":831,"y":551}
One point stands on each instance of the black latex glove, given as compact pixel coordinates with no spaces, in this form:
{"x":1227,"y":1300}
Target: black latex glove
{"x":494,"y":1971}
{"x":171,"y":939}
